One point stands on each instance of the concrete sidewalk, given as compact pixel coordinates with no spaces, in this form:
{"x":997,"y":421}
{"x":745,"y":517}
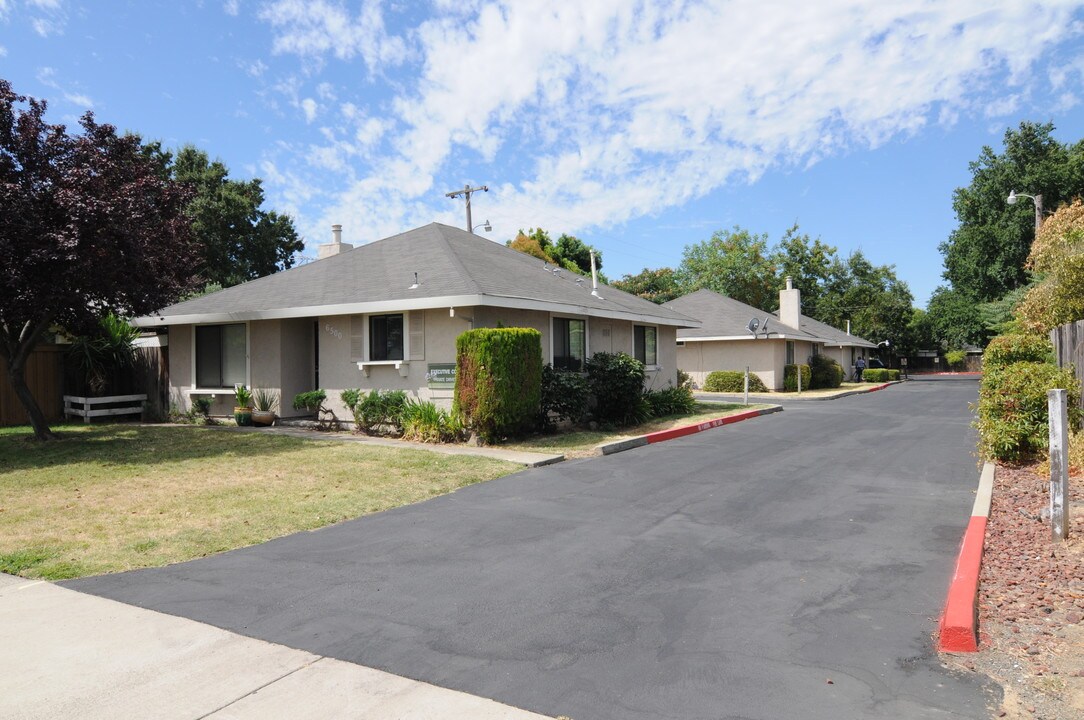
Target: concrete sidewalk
{"x":520,"y":457}
{"x":64,"y":654}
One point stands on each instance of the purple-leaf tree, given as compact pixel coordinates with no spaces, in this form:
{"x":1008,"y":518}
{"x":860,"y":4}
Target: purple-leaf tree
{"x":87,"y":226}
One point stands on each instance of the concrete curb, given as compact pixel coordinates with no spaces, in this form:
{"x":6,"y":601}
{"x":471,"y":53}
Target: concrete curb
{"x":664,"y":435}
{"x":716,"y":397}
{"x":959,"y":621}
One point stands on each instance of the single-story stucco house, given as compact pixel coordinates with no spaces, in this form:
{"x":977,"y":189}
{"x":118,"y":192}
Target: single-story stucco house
{"x":385,"y":315}
{"x":724,"y":340}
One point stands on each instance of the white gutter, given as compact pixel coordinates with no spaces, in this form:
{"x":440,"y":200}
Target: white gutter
{"x":428,"y":303}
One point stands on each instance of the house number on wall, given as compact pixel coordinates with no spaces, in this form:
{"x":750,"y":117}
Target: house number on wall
{"x":338,"y":334}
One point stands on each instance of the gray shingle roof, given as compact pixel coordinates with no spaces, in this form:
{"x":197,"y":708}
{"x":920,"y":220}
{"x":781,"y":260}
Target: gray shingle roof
{"x":721,"y":316}
{"x":832,"y":335}
{"x":453,"y":266}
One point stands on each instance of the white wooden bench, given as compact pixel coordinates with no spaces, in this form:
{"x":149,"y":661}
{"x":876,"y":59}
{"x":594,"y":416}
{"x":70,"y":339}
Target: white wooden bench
{"x":84,"y":407}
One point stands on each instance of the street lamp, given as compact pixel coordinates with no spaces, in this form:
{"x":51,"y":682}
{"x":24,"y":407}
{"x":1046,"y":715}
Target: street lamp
{"x":1037,"y":199}
{"x":485,"y":226}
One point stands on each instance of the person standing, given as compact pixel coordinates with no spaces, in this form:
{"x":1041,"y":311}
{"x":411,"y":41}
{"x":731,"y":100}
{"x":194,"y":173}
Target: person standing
{"x":859,"y":366}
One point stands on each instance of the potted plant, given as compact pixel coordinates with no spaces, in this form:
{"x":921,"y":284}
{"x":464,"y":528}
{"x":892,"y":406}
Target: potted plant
{"x":264,"y":403}
{"x":242,"y":410}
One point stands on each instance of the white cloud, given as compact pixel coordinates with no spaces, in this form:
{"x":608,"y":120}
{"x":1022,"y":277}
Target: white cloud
{"x":308,"y":106}
{"x":47,"y":76}
{"x":50,"y":19}
{"x":625,"y":107}
{"x":231,"y":7}
{"x":313,"y":28}
{"x":3,"y":51}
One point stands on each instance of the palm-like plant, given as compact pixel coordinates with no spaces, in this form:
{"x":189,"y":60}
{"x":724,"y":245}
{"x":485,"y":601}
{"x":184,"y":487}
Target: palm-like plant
{"x":98,"y":356}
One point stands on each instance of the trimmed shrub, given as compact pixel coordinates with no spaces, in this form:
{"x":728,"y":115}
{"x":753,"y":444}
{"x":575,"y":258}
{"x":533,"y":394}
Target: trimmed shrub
{"x":824,"y":372}
{"x":564,"y":396}
{"x":425,"y":422}
{"x":790,"y":377}
{"x":880,"y":375}
{"x":1012,"y":408}
{"x":732,"y":381}
{"x":498,"y":381}
{"x":616,"y":381}
{"x":1005,"y":350}
{"x":670,"y":401}
{"x":684,"y":379}
{"x":313,"y":400}
{"x":376,"y":409}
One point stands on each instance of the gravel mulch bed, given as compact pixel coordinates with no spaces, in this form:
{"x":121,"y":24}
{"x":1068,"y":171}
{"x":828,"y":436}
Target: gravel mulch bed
{"x":1031,"y":601}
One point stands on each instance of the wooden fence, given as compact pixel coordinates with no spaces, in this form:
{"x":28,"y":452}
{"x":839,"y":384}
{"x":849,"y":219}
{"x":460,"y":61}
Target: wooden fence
{"x":1068,"y":342}
{"x":44,"y":377}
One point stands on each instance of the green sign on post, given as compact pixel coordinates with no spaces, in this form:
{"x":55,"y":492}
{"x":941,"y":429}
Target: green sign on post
{"x":441,"y":375}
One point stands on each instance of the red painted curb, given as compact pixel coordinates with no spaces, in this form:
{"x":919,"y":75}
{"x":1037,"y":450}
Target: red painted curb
{"x":662,"y":435}
{"x":959,"y":621}
{"x":880,"y":387}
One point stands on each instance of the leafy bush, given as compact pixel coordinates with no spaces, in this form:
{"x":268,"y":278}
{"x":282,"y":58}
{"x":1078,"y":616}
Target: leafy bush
{"x":312,"y":400}
{"x":824,"y":372}
{"x":880,"y":375}
{"x":242,"y":396}
{"x":616,"y":381}
{"x":670,"y":401}
{"x":564,"y":396}
{"x":790,"y":377}
{"x":425,"y":422}
{"x":732,"y":381}
{"x":1005,"y":350}
{"x":498,"y":380}
{"x":684,"y":379}
{"x":956,"y":358}
{"x":376,"y":409}
{"x":1012,"y":408}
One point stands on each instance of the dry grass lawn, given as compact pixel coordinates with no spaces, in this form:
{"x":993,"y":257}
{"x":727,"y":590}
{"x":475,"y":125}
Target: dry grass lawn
{"x":108,"y":498}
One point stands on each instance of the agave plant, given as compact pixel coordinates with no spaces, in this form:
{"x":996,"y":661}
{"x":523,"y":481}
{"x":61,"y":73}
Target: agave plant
{"x":265,"y":400}
{"x":100,"y":355}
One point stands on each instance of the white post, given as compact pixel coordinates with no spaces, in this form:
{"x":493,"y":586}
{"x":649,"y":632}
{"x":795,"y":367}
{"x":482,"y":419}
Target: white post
{"x":746,"y":385}
{"x":1059,"y":469}
{"x":798,"y":372}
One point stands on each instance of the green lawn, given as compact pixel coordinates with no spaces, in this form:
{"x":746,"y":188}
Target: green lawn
{"x":107,"y":498}
{"x":583,"y":443}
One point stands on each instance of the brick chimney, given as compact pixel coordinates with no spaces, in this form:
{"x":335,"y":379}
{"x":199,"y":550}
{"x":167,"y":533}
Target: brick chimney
{"x":790,"y":305}
{"x":336,"y":245}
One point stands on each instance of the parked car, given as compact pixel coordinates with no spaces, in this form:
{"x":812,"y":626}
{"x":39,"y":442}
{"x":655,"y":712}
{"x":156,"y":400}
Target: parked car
{"x":872,"y":363}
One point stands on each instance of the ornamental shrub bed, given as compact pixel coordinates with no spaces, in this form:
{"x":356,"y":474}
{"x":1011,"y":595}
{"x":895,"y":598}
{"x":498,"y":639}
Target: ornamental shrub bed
{"x":616,"y":381}
{"x":1005,"y":350}
{"x":880,"y":375}
{"x":498,"y":381}
{"x":1012,"y":408}
{"x":732,"y":381}
{"x":824,"y":372}
{"x":670,"y":401}
{"x":790,"y":377}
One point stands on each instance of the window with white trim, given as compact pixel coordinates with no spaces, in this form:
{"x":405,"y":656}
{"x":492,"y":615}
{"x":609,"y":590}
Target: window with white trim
{"x":790,"y":352}
{"x":221,"y":355}
{"x":645,"y":344}
{"x":569,"y":343}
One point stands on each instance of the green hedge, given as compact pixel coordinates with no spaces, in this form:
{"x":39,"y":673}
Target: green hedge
{"x":880,"y":375}
{"x":824,"y":372}
{"x":1012,"y":408}
{"x":790,"y":377}
{"x":564,"y":397}
{"x":616,"y":381}
{"x":732,"y":381}
{"x":1004,"y":350}
{"x":498,"y":380}
{"x":670,"y":401}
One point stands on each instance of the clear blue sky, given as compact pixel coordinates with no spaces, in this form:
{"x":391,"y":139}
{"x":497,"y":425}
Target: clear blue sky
{"x":639,"y":127}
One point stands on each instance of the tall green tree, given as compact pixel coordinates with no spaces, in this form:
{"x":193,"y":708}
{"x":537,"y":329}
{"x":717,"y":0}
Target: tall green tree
{"x":88,"y":225}
{"x":568,"y":252}
{"x":239,"y":240}
{"x":735,"y":263}
{"x":985,"y":256}
{"x":955,"y":319}
{"x":811,"y":265}
{"x":877,"y":303}
{"x":659,"y":285}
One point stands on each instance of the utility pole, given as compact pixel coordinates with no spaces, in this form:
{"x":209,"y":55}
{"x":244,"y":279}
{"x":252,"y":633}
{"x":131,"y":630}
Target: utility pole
{"x":466,"y":192}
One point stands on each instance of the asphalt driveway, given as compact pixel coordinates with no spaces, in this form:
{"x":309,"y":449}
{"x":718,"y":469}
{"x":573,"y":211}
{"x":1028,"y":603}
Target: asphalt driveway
{"x":790,"y":566}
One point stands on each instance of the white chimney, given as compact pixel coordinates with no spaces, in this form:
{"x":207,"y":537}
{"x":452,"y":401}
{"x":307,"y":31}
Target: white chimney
{"x":336,"y":245}
{"x":790,"y":305}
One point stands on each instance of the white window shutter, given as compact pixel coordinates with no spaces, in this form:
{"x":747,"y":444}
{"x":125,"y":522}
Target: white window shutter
{"x":417,"y":335}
